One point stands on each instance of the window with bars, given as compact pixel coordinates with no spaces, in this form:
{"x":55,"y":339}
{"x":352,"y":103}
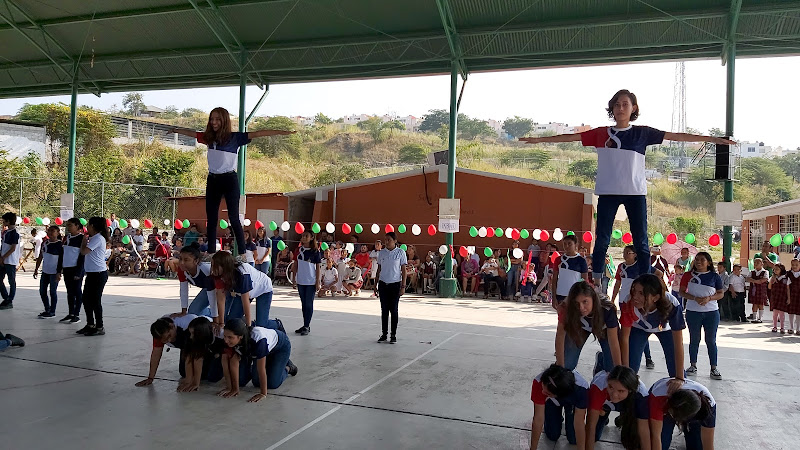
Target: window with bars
{"x":756,"y":234}
{"x":789,"y":223}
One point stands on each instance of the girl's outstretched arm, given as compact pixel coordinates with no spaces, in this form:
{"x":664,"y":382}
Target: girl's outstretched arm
{"x":688,"y":137}
{"x":185,"y":132}
{"x":572,"y":137}
{"x":263,"y":133}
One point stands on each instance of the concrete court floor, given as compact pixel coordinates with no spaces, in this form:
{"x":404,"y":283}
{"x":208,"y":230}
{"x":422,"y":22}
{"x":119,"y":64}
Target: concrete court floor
{"x":459,"y":377}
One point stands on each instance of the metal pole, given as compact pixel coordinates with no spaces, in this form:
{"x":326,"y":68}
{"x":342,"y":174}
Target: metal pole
{"x":73,"y":123}
{"x":449,"y":285}
{"x":727,"y":231}
{"x":243,"y":149}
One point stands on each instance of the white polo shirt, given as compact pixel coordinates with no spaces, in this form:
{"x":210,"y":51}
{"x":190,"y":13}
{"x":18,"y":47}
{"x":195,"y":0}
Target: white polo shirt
{"x":95,"y":261}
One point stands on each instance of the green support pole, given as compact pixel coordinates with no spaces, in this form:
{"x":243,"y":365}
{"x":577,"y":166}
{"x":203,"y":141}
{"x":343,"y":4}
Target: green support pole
{"x":449,"y":285}
{"x":73,"y":137}
{"x":241,"y":169}
{"x":727,"y":231}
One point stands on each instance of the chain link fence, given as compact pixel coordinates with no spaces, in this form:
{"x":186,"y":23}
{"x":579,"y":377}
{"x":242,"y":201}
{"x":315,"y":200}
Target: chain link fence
{"x":41,"y":197}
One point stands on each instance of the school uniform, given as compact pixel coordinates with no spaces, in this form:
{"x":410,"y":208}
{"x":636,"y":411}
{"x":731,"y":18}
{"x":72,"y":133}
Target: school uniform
{"x":758,"y":292}
{"x":621,"y":181}
{"x":73,"y":273}
{"x":553,"y":407}
{"x":657,"y":401}
{"x":793,"y":280}
{"x":725,"y":312}
{"x":263,"y":248}
{"x":389,"y":285}
{"x":264,"y":343}
{"x":572,"y":349}
{"x":205,"y":303}
{"x":223,"y":181}
{"x":52,"y":260}
{"x":306,"y":263}
{"x":94,"y":264}
{"x":182,"y":341}
{"x":600,"y":401}
{"x":643,"y":324}
{"x":10,"y":238}
{"x":352,"y":277}
{"x":737,"y":282}
{"x":250,"y":250}
{"x":778,"y":295}
{"x":625,"y":276}
{"x":570,"y":270}
{"x":702,"y":317}
{"x":248,"y":280}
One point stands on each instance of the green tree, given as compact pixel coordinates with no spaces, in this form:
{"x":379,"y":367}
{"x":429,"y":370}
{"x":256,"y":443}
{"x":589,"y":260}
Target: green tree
{"x":322,"y":119}
{"x":189,"y":112}
{"x":373,"y":126}
{"x":272,"y":146}
{"x":434,"y":121}
{"x":517,"y":126}
{"x":470,"y":128}
{"x":170,"y":112}
{"x":683,"y":225}
{"x":791,"y":165}
{"x":585,"y":168}
{"x":394,"y":125}
{"x":94,"y":128}
{"x":133,"y":103}
{"x":169,"y":167}
{"x":413,"y":154}
{"x":716,"y":132}
{"x":533,"y":158}
{"x":339,"y":173}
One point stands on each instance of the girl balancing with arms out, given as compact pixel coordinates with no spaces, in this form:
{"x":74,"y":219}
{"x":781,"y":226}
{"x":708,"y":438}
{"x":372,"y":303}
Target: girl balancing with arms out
{"x":223,"y":181}
{"x":620,"y":172}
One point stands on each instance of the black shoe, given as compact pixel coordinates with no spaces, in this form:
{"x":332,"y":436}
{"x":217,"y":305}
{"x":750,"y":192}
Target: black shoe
{"x":6,"y":305}
{"x":66,"y":319}
{"x":47,"y":315}
{"x":99,"y":331}
{"x":649,"y":364}
{"x":15,"y":341}
{"x":43,"y":314}
{"x":75,"y":319}
{"x":300,"y":330}
{"x":382,"y":338}
{"x":292,"y":368}
{"x":85,"y":329}
{"x":304,"y":331}
{"x":280,"y":325}
{"x":393,"y":340}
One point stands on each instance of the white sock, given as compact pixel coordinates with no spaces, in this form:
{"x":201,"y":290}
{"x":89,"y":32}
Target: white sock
{"x":797,"y":322}
{"x":760,"y":314}
{"x":791,"y":321}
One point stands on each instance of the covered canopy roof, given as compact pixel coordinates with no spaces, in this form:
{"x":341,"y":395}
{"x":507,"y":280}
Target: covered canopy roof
{"x":166,"y":44}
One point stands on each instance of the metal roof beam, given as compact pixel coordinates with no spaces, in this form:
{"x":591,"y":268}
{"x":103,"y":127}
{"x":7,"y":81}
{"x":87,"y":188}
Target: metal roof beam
{"x":446,"y":14}
{"x":59,"y":64}
{"x":140,"y":12}
{"x":733,"y":24}
{"x":213,"y":30}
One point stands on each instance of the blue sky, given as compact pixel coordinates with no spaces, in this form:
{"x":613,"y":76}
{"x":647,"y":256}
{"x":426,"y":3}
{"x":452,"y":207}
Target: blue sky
{"x":766,"y":96}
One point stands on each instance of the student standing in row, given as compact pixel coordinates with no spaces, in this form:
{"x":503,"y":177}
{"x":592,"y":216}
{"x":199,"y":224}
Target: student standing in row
{"x":736,"y":287}
{"x":306,"y":269}
{"x":702,"y":288}
{"x":9,"y":258}
{"x":758,"y":279}
{"x":50,"y":259}
{"x":93,"y":249}
{"x":392,"y":277}
{"x":263,"y":251}
{"x":73,"y":270}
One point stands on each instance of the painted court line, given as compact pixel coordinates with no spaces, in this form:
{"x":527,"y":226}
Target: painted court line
{"x":360,"y":393}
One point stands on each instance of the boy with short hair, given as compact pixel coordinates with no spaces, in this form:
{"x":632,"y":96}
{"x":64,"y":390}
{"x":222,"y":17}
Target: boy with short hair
{"x":9,"y":258}
{"x":736,"y":289}
{"x":571,"y":268}
{"x":725,"y":311}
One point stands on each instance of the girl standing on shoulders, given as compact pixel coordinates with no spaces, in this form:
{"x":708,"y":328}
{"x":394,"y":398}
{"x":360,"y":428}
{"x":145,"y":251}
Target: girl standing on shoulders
{"x":392,"y":277}
{"x":702,"y":287}
{"x":223,"y":181}
{"x":73,"y":269}
{"x":306,"y":269}
{"x":620,"y":172}
{"x":93,"y":248}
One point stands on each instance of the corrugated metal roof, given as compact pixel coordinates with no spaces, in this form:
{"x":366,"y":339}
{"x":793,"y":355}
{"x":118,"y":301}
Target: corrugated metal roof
{"x":162,"y":44}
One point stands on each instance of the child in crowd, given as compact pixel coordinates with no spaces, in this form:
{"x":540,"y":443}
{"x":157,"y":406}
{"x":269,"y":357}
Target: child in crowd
{"x":469,"y":272}
{"x":725,"y":302}
{"x":678,"y":271}
{"x":490,"y":271}
{"x":685,"y":260}
{"x":758,"y":280}
{"x":258,"y":354}
{"x":778,"y":297}
{"x":559,"y":395}
{"x":526,"y":289}
{"x":73,"y":270}
{"x":306,"y":271}
{"x":571,"y":269}
{"x":250,"y":249}
{"x":330,"y":277}
{"x":352,"y":278}
{"x":341,"y":267}
{"x":736,"y":288}
{"x":92,"y":248}
{"x":51,"y":259}
{"x":428,"y":274}
{"x":793,"y":304}
{"x":9,"y":258}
